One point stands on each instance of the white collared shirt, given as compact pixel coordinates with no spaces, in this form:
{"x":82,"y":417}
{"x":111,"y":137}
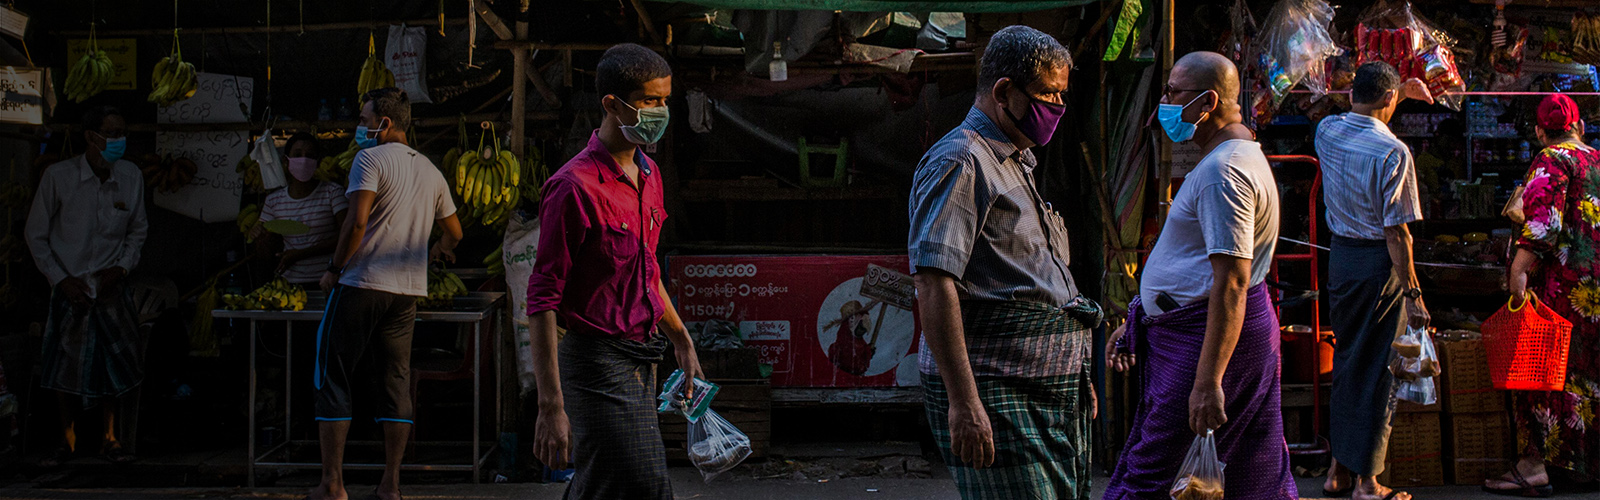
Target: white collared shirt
{"x":79,"y":225}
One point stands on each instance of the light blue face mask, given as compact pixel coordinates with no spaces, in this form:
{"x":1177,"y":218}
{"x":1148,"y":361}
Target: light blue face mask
{"x":362,"y":139}
{"x":114,"y":150}
{"x":651,"y":127}
{"x":1171,"y":118}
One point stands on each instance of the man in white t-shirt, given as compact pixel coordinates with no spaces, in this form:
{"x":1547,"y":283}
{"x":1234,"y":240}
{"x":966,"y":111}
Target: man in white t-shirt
{"x":1203,"y":321}
{"x":380,"y":268}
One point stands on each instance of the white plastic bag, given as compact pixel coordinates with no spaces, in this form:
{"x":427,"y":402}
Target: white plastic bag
{"x":406,"y":54}
{"x":716,"y":446}
{"x":1415,"y":363}
{"x":517,"y":252}
{"x":1294,"y":44}
{"x":1200,"y":477}
{"x":266,"y":156}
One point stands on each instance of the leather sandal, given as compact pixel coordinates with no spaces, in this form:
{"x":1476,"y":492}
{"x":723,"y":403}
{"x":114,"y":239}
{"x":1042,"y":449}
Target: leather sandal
{"x":1523,"y":489}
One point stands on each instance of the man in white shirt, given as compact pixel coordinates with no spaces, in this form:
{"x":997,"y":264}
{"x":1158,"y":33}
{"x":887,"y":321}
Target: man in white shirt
{"x":379,"y":270}
{"x":85,"y":231}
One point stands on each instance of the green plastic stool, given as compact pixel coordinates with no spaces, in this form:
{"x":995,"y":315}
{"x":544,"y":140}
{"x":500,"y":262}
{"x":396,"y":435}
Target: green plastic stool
{"x":841,"y":158}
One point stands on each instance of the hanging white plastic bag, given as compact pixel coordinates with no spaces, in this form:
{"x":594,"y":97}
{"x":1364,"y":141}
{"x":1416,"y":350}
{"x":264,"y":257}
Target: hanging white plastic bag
{"x":1294,"y":44}
{"x":517,"y":252}
{"x":715,"y":445}
{"x":1414,"y":363}
{"x":406,"y":54}
{"x":1200,"y":477}
{"x":266,"y":156}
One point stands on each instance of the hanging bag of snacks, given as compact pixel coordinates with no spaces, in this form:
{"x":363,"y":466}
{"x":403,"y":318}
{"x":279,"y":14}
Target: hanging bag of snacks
{"x":1391,"y":32}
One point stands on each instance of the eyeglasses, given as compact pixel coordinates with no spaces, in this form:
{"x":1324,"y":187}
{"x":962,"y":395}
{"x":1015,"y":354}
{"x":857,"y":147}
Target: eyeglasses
{"x":1167,"y":90}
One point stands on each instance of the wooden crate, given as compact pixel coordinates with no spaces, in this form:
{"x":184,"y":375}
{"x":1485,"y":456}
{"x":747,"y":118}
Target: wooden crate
{"x":1465,"y":385}
{"x":747,"y":404}
{"x":1415,"y":455}
{"x":1480,"y":446}
{"x":1474,"y":471}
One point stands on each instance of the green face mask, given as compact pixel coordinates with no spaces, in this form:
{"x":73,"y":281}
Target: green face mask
{"x":651,"y":127}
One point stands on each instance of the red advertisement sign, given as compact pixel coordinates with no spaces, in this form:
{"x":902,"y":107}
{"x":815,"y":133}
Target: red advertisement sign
{"x":820,"y":321}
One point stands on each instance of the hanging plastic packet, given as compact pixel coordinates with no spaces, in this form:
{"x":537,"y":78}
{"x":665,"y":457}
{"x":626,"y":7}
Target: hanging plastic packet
{"x":1390,"y":31}
{"x":672,"y":400}
{"x":1200,"y":477}
{"x":1294,"y":45}
{"x":1414,"y":363}
{"x":715,"y":445}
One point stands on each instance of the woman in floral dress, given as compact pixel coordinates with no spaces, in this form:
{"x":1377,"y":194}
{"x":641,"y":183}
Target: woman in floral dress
{"x":1556,"y":261}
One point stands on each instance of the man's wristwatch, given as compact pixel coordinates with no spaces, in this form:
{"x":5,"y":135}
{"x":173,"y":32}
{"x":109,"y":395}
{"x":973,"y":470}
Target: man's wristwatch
{"x":1413,"y":293}
{"x":335,"y":268}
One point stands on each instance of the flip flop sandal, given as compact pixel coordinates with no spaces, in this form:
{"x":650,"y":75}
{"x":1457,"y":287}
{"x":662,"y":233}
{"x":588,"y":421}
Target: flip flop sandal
{"x":1391,"y":494}
{"x":1338,"y":493}
{"x":1523,"y":489}
{"x":56,"y":458}
{"x":117,"y":455}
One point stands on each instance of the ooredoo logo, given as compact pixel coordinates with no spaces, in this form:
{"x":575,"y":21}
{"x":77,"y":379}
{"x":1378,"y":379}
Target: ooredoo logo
{"x":720,"y":271}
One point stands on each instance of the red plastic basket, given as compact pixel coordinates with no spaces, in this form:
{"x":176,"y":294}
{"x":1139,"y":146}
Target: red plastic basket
{"x":1527,"y":347}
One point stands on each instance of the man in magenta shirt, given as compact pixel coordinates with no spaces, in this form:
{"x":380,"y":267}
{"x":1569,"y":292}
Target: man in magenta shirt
{"x":596,"y":275}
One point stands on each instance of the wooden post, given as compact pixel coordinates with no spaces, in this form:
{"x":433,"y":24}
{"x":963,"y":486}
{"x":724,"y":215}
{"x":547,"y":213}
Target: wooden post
{"x":519,"y":92}
{"x":1164,"y":166}
{"x":649,"y":25}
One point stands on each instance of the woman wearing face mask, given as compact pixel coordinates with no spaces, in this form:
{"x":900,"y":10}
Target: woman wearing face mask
{"x":317,"y":204}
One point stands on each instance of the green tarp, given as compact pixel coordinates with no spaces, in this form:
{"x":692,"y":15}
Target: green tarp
{"x":890,"y":5}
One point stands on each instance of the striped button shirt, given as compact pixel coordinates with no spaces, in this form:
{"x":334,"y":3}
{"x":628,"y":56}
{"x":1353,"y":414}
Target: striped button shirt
{"x":1368,"y":179}
{"x":976,"y":215}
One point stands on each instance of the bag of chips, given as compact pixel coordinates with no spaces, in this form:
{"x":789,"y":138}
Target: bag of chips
{"x":1391,"y":32}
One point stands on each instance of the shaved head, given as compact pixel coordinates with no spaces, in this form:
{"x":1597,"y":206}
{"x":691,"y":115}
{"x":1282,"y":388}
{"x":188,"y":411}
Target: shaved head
{"x":1208,"y":70}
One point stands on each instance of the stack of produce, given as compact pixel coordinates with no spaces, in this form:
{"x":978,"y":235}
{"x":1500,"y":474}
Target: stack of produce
{"x":442,"y":287}
{"x":495,"y":262}
{"x":336,"y":169}
{"x":249,"y":218}
{"x":249,"y":173}
{"x":172,"y":80}
{"x":277,"y":295}
{"x":165,"y":173}
{"x":91,"y":74}
{"x":374,"y":74}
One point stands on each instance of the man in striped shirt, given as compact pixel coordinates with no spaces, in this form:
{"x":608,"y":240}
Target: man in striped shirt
{"x":1370,"y":188}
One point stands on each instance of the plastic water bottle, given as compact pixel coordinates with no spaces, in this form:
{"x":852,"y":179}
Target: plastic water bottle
{"x":325,"y":113}
{"x":344,"y":109}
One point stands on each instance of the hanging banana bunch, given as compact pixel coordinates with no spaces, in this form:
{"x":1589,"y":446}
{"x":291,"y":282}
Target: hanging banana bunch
{"x":447,"y":167}
{"x":91,"y":74}
{"x":487,"y":180}
{"x":336,"y":169}
{"x":374,"y":74}
{"x":172,"y":80}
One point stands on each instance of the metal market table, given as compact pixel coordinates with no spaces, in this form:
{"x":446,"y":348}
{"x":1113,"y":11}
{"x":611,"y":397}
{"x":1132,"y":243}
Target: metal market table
{"x":473,"y":308}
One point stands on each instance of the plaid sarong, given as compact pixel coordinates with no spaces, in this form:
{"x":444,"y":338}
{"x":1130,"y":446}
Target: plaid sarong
{"x":1031,"y":362}
{"x":93,"y":352}
{"x":608,"y":387}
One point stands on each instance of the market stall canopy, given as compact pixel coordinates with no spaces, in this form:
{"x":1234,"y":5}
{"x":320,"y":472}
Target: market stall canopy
{"x":891,"y":5}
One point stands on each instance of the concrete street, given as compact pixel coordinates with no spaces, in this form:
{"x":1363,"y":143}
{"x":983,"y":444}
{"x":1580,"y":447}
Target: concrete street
{"x":686,"y":483}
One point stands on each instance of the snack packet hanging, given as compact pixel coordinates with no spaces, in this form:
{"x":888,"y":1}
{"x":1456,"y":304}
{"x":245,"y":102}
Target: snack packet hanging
{"x":715,"y":445}
{"x":1294,"y":46}
{"x":1414,"y":363}
{"x":1390,"y":31}
{"x":672,"y":400}
{"x":1200,"y":477}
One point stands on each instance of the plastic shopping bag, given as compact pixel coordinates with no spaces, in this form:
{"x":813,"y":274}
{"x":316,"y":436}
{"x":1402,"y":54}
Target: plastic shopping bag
{"x":266,"y":156}
{"x":1415,"y":363}
{"x":1200,"y":477}
{"x":716,"y":446}
{"x":406,"y":55}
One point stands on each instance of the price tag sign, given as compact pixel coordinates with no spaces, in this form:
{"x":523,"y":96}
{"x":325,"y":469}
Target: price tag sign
{"x":889,"y":286}
{"x":13,"y":22}
{"x":22,"y":95}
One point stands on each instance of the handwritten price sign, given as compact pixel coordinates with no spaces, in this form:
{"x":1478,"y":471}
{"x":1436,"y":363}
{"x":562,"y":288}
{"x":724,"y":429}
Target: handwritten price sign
{"x":20,"y":95}
{"x":213,"y":195}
